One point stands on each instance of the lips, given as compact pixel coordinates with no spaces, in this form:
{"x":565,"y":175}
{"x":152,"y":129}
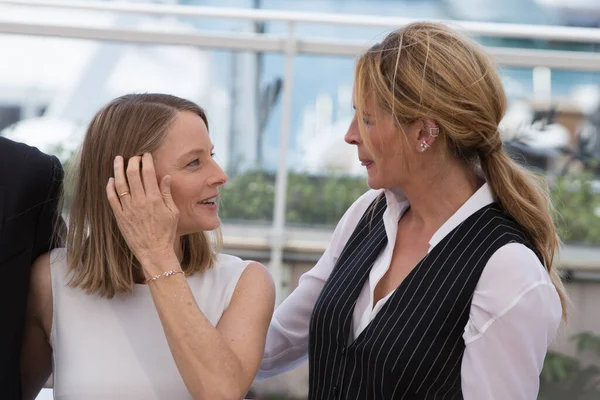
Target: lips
{"x":209,"y":201}
{"x":366,"y":163}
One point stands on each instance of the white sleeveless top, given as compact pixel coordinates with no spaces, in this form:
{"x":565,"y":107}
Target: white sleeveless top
{"x":116,"y":348}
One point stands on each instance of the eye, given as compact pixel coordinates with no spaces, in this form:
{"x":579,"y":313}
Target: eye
{"x":212,"y":154}
{"x":194,"y":163}
{"x":366,"y":121}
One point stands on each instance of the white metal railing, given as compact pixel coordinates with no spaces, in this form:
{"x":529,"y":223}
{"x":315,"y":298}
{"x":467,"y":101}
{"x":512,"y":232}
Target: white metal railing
{"x":511,"y":57}
{"x":519,"y":31}
{"x":291,"y":45}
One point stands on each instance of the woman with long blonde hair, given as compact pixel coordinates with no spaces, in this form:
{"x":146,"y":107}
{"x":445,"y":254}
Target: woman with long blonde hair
{"x":440,"y":282}
{"x":140,"y":304}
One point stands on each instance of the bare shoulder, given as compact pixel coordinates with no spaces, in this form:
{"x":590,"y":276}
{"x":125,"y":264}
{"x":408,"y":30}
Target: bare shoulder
{"x":257,"y":282}
{"x":40,"y":274}
{"x":40,"y":292}
{"x":252,"y":303}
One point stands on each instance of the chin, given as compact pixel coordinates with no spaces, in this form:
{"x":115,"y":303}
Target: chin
{"x":199,"y":226}
{"x":210,"y":224}
{"x":374,"y":183}
{"x":212,"y":227}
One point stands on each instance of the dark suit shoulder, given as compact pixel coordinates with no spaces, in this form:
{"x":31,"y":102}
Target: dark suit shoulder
{"x":18,"y":158}
{"x":28,"y":174}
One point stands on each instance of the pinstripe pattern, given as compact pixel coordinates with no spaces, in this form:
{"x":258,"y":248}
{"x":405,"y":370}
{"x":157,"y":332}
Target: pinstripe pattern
{"x":365,"y":243}
{"x":413,"y":347}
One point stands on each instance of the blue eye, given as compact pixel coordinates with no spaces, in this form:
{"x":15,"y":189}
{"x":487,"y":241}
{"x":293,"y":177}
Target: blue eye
{"x":194,"y":163}
{"x":366,"y":122}
{"x":212,"y":154}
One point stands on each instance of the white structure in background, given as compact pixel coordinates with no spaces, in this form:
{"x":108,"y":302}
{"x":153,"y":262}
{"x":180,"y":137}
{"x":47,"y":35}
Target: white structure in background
{"x":586,"y":97}
{"x":321,"y":137}
{"x":323,"y":150}
{"x":53,"y":136}
{"x":65,"y":81}
{"x":518,"y":115}
{"x":244,"y":133}
{"x":574,"y":12}
{"x":518,"y":124}
{"x":518,"y":120}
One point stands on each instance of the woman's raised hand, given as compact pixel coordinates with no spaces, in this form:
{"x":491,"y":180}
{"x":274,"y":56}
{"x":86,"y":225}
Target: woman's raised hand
{"x":145,"y":212}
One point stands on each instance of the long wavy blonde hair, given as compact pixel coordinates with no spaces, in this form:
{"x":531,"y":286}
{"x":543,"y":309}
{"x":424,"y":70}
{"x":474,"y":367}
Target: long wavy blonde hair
{"x":430,"y":71}
{"x":99,"y":260}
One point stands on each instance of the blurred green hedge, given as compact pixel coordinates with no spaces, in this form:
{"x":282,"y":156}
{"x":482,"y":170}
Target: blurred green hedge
{"x":322,"y":200}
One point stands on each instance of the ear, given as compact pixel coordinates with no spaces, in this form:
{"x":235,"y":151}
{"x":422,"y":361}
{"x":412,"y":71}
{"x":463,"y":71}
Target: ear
{"x":428,"y":133}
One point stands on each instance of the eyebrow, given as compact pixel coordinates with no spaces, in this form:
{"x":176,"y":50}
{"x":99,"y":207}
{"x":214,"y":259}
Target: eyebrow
{"x":194,"y":152}
{"x":365,"y":112}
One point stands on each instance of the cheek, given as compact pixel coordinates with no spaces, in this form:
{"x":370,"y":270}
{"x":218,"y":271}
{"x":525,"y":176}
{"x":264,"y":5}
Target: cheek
{"x":380,"y":147}
{"x":161,"y":172}
{"x":382,"y":139}
{"x":159,"y":178}
{"x":177,"y":192}
{"x":184,"y":191}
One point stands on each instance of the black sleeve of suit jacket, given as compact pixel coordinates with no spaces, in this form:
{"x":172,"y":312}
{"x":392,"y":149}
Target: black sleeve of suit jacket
{"x":51,"y":226}
{"x":30,"y":189}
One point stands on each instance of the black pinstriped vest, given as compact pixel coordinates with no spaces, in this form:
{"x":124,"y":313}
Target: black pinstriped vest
{"x":413,"y":347}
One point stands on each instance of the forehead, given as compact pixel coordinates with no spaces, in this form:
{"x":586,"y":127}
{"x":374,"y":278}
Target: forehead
{"x":187,"y":131}
{"x":365,"y":98}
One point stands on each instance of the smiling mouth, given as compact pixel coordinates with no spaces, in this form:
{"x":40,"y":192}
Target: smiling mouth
{"x":209,"y":202}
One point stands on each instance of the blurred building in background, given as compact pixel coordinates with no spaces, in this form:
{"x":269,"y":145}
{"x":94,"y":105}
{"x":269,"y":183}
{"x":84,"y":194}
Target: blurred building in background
{"x":277,"y":89}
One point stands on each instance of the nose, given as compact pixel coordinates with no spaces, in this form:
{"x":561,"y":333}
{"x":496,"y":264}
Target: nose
{"x":219,"y":177}
{"x":353,"y":134}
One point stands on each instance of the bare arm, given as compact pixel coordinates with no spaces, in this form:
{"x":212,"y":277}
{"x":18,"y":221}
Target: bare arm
{"x":215,"y":363}
{"x":36,"y":353}
{"x":221,"y":362}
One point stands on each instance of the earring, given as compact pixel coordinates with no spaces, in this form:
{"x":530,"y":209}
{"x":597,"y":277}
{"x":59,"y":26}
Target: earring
{"x":434,"y":132}
{"x":424,"y":146}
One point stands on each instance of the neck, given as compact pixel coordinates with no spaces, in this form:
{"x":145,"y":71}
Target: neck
{"x":438,"y":194}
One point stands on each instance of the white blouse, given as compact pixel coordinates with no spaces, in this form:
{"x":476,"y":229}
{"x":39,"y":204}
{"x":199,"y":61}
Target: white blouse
{"x":514,"y":315}
{"x":116,"y":348}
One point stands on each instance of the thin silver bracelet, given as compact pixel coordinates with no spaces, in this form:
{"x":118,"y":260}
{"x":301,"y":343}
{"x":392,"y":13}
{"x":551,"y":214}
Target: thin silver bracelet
{"x":167,"y":273}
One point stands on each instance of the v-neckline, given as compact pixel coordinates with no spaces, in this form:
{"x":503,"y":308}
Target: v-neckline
{"x":391,"y":295}
{"x":435,"y":251}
